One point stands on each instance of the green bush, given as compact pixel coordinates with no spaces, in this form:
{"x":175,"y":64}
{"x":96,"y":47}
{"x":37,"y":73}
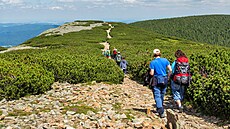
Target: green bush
{"x":210,"y":89}
{"x":18,"y":79}
{"x":2,"y":48}
{"x":82,"y":68}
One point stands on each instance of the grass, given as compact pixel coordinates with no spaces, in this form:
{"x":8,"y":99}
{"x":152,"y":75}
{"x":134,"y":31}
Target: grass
{"x":129,"y":115}
{"x":23,"y":113}
{"x":19,"y":113}
{"x":79,"y":109}
{"x":117,"y":106}
{"x":45,"y":110}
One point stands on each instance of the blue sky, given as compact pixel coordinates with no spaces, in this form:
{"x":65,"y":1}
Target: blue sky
{"x":107,"y":10}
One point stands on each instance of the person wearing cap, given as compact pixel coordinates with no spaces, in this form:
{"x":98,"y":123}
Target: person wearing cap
{"x":118,"y":58}
{"x":158,"y":70}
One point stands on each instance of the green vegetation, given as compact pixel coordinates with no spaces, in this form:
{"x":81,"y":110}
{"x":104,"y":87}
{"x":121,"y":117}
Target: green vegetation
{"x":17,"y":78}
{"x":76,"y":58}
{"x":137,"y":45}
{"x":117,"y":106}
{"x":210,"y":90}
{"x":128,"y":114}
{"x":2,"y":48}
{"x":19,"y":113}
{"x":79,"y":109}
{"x":213,"y":29}
{"x":69,"y":58}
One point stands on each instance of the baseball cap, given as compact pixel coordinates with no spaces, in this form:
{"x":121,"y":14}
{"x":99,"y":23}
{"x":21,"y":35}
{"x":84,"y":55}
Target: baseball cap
{"x":155,"y":51}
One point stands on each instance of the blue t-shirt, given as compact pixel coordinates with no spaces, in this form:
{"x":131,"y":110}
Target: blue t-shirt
{"x":123,"y":64}
{"x":173,"y":66}
{"x":159,"y":66}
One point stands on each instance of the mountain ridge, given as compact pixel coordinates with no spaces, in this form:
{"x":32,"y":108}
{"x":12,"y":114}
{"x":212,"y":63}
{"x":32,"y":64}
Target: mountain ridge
{"x":212,"y":29}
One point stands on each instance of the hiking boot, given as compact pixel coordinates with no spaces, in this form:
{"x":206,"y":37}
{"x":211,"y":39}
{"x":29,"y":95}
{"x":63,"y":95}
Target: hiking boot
{"x":181,"y":108}
{"x":162,"y":115}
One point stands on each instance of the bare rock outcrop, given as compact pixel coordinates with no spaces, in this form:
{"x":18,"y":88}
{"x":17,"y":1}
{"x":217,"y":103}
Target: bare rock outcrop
{"x":70,"y":27}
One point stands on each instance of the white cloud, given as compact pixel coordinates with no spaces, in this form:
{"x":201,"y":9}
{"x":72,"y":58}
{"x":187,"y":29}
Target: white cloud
{"x":66,"y":1}
{"x":130,"y":1}
{"x":11,"y":1}
{"x":115,"y":9}
{"x":8,"y":3}
{"x":56,"y":8}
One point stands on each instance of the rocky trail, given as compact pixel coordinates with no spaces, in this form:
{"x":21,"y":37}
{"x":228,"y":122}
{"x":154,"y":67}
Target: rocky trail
{"x":94,"y":105}
{"x":98,"y":106}
{"x":20,"y":47}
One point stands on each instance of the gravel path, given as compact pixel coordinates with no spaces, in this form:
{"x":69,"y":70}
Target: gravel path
{"x":95,"y":105}
{"x":20,"y":47}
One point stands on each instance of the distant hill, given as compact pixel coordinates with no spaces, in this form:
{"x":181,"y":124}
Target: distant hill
{"x":13,"y":34}
{"x":213,"y":29}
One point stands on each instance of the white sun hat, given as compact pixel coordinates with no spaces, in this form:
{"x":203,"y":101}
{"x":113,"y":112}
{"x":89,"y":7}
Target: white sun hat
{"x":155,"y":51}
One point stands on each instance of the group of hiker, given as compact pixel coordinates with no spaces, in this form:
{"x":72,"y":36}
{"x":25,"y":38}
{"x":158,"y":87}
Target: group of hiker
{"x":178,"y":72}
{"x":160,"y":72}
{"x":118,"y":58}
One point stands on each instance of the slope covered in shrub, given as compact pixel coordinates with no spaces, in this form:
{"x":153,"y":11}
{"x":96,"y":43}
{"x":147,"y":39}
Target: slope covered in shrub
{"x":213,"y":29}
{"x":74,"y":57}
{"x":137,"y":46}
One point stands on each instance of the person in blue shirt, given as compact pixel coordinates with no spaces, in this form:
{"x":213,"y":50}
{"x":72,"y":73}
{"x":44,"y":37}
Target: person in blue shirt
{"x":158,"y":70}
{"x":123,"y":65}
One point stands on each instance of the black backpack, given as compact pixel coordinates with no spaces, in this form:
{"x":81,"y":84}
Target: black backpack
{"x":118,"y":58}
{"x":182,"y":71}
{"x":147,"y":78}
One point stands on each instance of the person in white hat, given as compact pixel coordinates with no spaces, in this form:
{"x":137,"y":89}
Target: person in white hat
{"x":158,"y":70}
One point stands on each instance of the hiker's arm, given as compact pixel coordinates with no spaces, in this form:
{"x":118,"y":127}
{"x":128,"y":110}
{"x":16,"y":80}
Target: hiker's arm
{"x":151,"y":72}
{"x":170,"y":71}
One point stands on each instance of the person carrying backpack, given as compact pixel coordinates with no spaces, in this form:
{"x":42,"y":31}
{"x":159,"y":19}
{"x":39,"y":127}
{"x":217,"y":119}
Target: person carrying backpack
{"x":180,"y":78}
{"x":158,"y":68}
{"x":107,"y":53}
{"x":123,"y":65}
{"x":118,"y":58}
{"x":114,"y":53}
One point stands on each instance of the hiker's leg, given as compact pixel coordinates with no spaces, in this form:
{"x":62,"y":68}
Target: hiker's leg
{"x":176,"y":93}
{"x":182,"y":92}
{"x":163,"y":92}
{"x":158,"y":100}
{"x":125,"y":71}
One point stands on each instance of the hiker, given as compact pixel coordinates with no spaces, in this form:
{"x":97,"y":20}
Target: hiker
{"x":123,"y":65}
{"x":180,"y":78}
{"x":158,"y":68}
{"x":107,"y":53}
{"x":118,"y":58}
{"x":103,"y":52}
{"x":114,"y":53}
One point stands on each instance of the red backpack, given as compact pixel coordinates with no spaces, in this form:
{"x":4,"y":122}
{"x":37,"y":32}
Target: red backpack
{"x":182,"y":71}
